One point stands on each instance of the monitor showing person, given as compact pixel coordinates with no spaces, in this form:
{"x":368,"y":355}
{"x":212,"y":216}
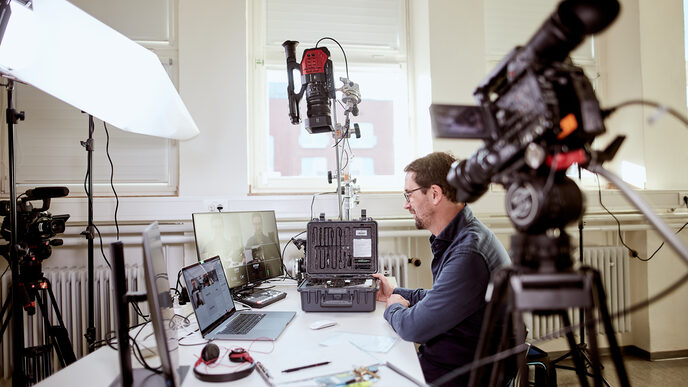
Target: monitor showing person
{"x":246,"y":242}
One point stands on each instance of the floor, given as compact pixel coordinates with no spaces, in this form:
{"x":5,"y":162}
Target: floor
{"x":644,"y":373}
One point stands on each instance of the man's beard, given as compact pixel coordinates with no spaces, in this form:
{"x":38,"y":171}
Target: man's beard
{"x":420,"y":224}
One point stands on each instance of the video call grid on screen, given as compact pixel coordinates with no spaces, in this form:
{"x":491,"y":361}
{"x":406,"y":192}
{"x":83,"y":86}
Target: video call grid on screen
{"x":246,"y":242}
{"x":208,"y":292}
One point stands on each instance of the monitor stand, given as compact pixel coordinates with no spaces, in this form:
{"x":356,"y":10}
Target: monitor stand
{"x":258,"y":298}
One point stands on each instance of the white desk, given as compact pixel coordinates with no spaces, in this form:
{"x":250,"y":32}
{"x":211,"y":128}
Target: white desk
{"x":298,"y":345}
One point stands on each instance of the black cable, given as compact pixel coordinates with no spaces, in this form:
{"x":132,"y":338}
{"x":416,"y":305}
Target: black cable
{"x":112,"y":175}
{"x":3,"y":273}
{"x":102,"y":251}
{"x":318,"y":194}
{"x":607,"y":112}
{"x":286,"y":273}
{"x":179,"y":282}
{"x":141,"y":359}
{"x":632,"y":251}
{"x":346,"y":63}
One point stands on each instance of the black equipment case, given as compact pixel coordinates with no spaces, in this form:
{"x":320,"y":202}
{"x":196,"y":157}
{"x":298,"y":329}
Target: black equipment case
{"x":340,"y":258}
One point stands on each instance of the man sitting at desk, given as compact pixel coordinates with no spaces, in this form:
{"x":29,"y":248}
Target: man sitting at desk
{"x":446,"y":320}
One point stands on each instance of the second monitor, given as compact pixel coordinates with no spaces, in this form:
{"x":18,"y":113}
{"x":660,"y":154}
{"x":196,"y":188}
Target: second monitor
{"x":248,"y":245}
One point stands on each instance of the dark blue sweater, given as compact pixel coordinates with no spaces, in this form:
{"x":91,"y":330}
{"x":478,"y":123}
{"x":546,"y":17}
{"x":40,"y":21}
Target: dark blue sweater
{"x":446,"y":320}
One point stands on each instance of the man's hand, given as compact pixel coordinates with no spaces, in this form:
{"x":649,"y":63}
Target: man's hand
{"x":397,"y":299}
{"x":385,"y":290}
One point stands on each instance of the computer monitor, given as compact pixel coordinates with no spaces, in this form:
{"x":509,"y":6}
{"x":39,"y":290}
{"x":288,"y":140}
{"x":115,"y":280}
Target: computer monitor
{"x":160,"y":304}
{"x":161,"y":312}
{"x":246,"y":242}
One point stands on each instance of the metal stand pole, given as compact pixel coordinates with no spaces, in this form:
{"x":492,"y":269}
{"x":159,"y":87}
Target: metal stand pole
{"x":90,"y":234}
{"x":337,"y":142}
{"x":18,"y":377}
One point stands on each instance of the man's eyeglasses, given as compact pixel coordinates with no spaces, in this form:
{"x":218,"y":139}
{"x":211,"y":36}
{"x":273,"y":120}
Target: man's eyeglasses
{"x":407,"y":194}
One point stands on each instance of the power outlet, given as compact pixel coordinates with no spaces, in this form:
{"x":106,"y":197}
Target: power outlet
{"x":214,"y":205}
{"x":681,"y":195}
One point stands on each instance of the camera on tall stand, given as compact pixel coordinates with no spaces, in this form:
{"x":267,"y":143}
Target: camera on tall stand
{"x":36,"y":231}
{"x":318,"y":86}
{"x":538,"y":115}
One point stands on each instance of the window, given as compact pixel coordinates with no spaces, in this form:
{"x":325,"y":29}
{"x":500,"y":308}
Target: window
{"x":286,"y":157}
{"x":47,"y":143}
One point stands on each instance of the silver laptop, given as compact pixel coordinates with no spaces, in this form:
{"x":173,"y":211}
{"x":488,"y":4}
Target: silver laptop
{"x":215,"y":310}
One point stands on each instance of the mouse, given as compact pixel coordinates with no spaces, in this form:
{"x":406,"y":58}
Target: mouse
{"x":320,"y":324}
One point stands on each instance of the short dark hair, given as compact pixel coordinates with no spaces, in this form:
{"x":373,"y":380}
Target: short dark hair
{"x":433,"y":169}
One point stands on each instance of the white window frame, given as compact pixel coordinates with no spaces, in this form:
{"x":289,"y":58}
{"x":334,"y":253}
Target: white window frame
{"x":166,"y":48}
{"x":261,"y":58}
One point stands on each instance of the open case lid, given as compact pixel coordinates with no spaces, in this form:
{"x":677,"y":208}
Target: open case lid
{"x":341,"y":247}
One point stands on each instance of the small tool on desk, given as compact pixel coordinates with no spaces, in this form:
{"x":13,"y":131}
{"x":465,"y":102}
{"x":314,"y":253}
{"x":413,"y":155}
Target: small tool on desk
{"x":264,"y":373}
{"x":306,"y":366}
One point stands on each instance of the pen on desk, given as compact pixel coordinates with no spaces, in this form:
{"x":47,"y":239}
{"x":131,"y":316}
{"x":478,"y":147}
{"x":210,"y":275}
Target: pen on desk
{"x":306,"y":366}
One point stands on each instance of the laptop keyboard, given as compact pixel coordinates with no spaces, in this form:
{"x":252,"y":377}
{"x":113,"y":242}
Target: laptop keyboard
{"x":242,"y":324}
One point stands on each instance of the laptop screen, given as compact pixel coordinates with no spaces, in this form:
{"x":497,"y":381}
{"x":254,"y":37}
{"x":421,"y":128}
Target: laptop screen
{"x":160,"y":302}
{"x":209,"y":292}
{"x":246,"y":242}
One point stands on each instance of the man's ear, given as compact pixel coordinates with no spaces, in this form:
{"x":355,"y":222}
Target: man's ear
{"x":437,"y":194}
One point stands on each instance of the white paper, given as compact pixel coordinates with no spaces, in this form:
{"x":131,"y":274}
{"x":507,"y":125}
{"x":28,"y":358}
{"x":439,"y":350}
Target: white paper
{"x":367,"y":343}
{"x":363,"y":247}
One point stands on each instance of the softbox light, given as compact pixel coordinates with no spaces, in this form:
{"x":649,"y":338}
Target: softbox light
{"x":61,"y":50}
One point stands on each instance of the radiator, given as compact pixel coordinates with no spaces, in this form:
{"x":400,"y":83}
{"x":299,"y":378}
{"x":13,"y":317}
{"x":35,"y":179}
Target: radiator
{"x":395,"y":265}
{"x":613,"y":264}
{"x":69,"y":286}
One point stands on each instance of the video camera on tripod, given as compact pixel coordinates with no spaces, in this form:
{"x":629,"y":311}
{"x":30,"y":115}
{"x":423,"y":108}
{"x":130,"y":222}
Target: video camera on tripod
{"x":538,"y":115}
{"x":36,"y":229}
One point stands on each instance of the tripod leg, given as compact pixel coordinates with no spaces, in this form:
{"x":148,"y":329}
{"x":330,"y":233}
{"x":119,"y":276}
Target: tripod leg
{"x":593,"y":350}
{"x":575,"y":354}
{"x":5,"y":321}
{"x":519,"y":330}
{"x":57,"y":333}
{"x":609,"y":329}
{"x":500,"y":285}
{"x":502,"y":368}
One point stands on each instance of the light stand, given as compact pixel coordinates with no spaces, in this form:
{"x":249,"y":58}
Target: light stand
{"x":18,"y":377}
{"x":90,"y":235}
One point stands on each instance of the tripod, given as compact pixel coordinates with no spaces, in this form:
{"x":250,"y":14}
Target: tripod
{"x":543,"y":281}
{"x":581,"y":347}
{"x":59,"y":338}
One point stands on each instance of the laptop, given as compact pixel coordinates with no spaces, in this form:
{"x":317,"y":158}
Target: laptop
{"x":216,"y":312}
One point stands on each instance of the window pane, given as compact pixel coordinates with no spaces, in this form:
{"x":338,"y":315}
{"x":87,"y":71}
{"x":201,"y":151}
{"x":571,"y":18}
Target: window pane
{"x":383,"y":98}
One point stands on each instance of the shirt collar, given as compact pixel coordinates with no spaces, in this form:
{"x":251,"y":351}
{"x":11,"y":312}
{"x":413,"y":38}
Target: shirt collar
{"x":441,"y":241}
